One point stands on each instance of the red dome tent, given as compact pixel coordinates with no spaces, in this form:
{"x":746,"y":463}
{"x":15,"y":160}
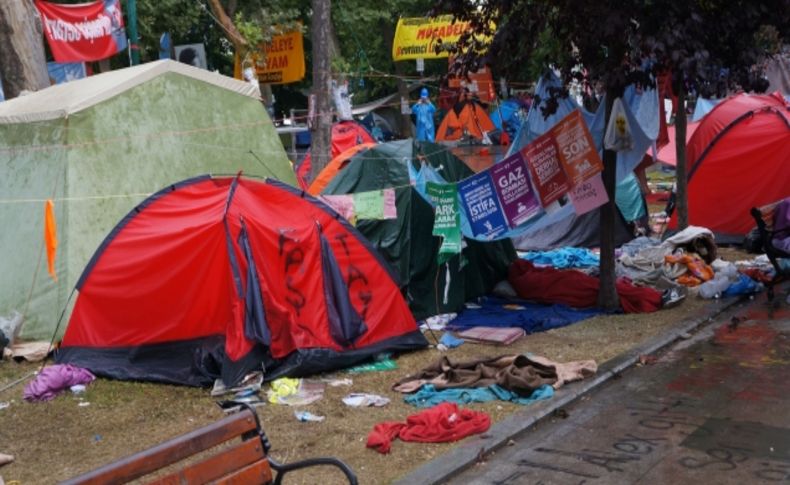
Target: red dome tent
{"x":215,"y":276}
{"x":345,"y":134}
{"x":738,"y":158}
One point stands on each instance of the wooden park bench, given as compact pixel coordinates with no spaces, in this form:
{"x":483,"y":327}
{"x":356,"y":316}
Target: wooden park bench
{"x":246,"y":462}
{"x":764,"y":217}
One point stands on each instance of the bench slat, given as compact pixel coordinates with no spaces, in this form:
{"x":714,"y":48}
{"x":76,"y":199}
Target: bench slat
{"x":214,"y":467}
{"x":169,"y":452}
{"x":258,"y":473}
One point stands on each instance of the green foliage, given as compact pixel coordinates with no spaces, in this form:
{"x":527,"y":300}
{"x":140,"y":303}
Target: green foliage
{"x":705,"y":43}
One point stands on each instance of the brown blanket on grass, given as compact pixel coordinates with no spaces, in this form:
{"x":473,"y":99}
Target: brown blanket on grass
{"x":521,"y":374}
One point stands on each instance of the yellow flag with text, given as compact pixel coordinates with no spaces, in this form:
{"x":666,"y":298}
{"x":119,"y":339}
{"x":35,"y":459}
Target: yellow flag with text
{"x":280,"y":61}
{"x":427,"y":37}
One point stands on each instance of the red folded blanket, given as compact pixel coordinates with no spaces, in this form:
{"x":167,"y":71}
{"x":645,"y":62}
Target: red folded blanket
{"x":576,"y":289}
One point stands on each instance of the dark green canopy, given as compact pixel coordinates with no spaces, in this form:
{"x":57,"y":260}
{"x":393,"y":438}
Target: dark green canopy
{"x":407,"y":242}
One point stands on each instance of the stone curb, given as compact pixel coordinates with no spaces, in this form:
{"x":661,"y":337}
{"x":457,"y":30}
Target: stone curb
{"x":444,"y":467}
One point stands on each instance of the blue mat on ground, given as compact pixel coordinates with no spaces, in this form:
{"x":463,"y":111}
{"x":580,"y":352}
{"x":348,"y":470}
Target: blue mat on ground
{"x":532,"y":317}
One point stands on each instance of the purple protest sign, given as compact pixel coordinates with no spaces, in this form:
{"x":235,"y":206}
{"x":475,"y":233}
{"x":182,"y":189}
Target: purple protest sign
{"x":512,"y":182}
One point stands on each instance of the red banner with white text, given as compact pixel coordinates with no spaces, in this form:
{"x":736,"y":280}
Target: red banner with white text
{"x":83,"y":32}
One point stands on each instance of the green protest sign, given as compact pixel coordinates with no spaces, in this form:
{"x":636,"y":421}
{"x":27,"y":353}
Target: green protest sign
{"x":447,"y":218}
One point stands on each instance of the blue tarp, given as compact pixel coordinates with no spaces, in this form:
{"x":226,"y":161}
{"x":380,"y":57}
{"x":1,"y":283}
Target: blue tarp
{"x":532,"y":317}
{"x":703,"y":107}
{"x":507,"y":114}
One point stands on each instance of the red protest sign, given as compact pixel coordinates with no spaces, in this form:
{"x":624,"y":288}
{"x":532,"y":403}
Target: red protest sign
{"x":576,"y":148}
{"x":546,"y":168}
{"x":83,"y":32}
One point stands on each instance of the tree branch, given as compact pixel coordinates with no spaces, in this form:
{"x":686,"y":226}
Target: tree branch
{"x":238,"y":40}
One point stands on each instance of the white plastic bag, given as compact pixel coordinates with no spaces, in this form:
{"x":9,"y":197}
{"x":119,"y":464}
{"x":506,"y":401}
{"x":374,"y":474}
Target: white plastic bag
{"x":9,"y":326}
{"x":618,"y":132}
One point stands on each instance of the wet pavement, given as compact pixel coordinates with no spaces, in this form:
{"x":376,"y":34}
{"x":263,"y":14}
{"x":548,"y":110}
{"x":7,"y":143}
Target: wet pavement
{"x":712,"y":409}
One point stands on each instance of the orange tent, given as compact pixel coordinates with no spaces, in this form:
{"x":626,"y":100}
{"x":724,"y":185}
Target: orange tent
{"x":466,"y":118}
{"x":334,"y":166}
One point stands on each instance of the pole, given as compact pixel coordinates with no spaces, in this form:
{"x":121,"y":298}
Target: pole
{"x":134,"y":39}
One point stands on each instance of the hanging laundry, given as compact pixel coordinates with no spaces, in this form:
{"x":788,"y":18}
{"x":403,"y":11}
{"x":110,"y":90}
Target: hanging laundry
{"x":369,"y":205}
{"x":342,"y":204}
{"x":438,"y":424}
{"x":372,"y":204}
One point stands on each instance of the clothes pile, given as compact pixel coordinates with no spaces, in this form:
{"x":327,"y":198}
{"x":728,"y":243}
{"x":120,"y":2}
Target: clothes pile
{"x":522,"y":374}
{"x":438,"y":424}
{"x":686,"y":260}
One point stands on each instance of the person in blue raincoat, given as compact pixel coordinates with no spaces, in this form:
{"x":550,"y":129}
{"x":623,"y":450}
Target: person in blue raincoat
{"x":423,"y":110}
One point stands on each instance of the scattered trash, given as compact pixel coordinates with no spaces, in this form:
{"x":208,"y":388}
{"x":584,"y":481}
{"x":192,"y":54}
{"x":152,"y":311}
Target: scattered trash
{"x":229,"y":408}
{"x":6,"y":459}
{"x":83,"y":404}
{"x":305,"y":416}
{"x":647,"y":359}
{"x":358,"y":400}
{"x":77,"y":388}
{"x":337,"y":382}
{"x":437,"y":322}
{"x":449,"y":341}
{"x":685,"y":335}
{"x":561,"y":413}
{"x":511,"y":443}
{"x":252,"y":381}
{"x":295,"y":392}
{"x":4,"y":404}
{"x":97,"y":437}
{"x":383,"y":363}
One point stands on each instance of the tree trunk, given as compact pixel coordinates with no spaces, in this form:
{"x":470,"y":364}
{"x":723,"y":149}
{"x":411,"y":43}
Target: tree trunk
{"x":406,"y":128}
{"x":607,"y":294}
{"x":320,"y":133}
{"x":681,"y":177}
{"x":23,"y":65}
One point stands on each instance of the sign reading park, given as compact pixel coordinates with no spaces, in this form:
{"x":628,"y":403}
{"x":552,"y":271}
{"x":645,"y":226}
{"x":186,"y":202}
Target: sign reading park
{"x":447,"y":219}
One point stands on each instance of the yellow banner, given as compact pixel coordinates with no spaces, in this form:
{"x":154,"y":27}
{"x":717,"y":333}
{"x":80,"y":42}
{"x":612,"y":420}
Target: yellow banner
{"x":418,"y":38}
{"x":280,"y":61}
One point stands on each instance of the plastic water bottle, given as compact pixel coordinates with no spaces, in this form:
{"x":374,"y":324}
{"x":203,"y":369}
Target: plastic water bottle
{"x":715,"y":287}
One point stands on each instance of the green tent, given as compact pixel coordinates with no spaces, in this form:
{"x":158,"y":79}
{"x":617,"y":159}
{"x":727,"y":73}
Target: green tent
{"x":407,"y":242}
{"x":99,"y":146}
